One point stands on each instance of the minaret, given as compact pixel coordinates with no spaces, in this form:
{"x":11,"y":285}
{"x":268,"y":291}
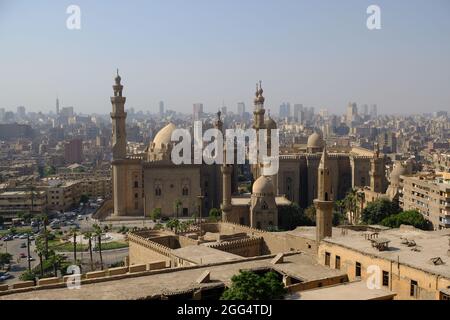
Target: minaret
{"x":118,"y":116}
{"x":119,"y":145}
{"x":226,"y":170}
{"x":376,"y":171}
{"x":323,"y":203}
{"x":258,"y":123}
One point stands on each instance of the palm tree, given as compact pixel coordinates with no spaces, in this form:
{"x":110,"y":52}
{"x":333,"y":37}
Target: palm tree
{"x":55,"y":260}
{"x":98,"y":233}
{"x":44,"y":219}
{"x":88,"y":236}
{"x":40,"y":250}
{"x":73,"y":232}
{"x":178,"y":205}
{"x":32,"y":189}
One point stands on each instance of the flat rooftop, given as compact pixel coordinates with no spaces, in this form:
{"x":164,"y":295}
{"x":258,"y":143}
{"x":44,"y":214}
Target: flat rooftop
{"x":204,"y":255}
{"x":429,"y":245}
{"x":298,"y":265}
{"x":346,"y":291}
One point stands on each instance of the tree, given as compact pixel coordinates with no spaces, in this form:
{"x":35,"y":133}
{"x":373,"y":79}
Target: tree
{"x":410,"y":217}
{"x":88,"y":236}
{"x":310,"y":214}
{"x":5,"y":258}
{"x":98,"y":233}
{"x":173,"y":224}
{"x":74,"y":233}
{"x":177,"y":206}
{"x":292,"y":216}
{"x":55,"y":260}
{"x":84,"y":199}
{"x":251,"y":286}
{"x":215,"y":214}
{"x":377,"y":210}
{"x":40,"y":250}
{"x":155,"y":214}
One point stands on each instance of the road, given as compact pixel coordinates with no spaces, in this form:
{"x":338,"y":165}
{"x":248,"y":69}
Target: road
{"x":18,"y":265}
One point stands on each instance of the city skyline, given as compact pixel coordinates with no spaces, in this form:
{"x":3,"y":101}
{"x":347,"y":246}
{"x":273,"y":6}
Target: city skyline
{"x":179,"y":61}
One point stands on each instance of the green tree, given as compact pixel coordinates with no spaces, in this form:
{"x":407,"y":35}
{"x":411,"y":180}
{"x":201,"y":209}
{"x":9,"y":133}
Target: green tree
{"x":215,"y":214}
{"x":173,"y":224}
{"x":250,"y":286}
{"x":377,"y":210}
{"x":155,"y":214}
{"x":40,"y":250}
{"x":74,"y":232}
{"x":55,"y":260}
{"x":177,"y":206}
{"x":5,"y":258}
{"x":310,"y":214}
{"x":410,"y":217}
{"x":292,"y":216}
{"x":84,"y":199}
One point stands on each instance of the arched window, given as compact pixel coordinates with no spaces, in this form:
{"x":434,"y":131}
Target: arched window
{"x":264,"y":206}
{"x":326,"y":196}
{"x":136,"y":184}
{"x":185,"y":191}
{"x":158,"y":191}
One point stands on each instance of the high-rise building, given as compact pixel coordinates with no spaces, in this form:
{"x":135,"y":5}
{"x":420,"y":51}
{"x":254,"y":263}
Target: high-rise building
{"x":21,"y":112}
{"x":67,"y":112}
{"x":57,"y":106}
{"x":161,"y":108}
{"x":285,"y":110}
{"x":241,"y":109}
{"x":298,"y":111}
{"x":73,"y":151}
{"x":373,"y":111}
{"x":352,"y":112}
{"x":198,"y":111}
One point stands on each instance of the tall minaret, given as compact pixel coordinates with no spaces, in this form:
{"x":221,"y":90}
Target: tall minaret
{"x":119,"y":145}
{"x":118,"y":116}
{"x":226,"y":170}
{"x":258,"y":123}
{"x":377,"y":171}
{"x":324,"y":203}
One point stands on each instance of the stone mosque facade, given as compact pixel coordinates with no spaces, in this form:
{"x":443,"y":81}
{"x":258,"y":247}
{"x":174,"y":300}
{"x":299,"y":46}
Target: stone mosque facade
{"x":142,"y":183}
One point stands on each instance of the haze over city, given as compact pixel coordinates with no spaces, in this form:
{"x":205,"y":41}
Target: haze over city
{"x":183,"y":52}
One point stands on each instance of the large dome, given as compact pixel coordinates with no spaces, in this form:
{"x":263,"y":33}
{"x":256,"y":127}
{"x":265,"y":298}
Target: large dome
{"x":164,"y":137}
{"x":263,"y":185}
{"x":315,"y":141}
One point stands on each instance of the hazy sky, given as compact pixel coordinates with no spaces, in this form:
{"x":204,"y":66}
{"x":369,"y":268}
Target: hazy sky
{"x":319,"y":53}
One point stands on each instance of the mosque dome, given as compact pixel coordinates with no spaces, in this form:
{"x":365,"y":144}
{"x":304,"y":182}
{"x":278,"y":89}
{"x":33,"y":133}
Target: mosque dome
{"x":270,"y":123}
{"x":164,"y":137}
{"x":315,"y":141}
{"x":263,"y":185}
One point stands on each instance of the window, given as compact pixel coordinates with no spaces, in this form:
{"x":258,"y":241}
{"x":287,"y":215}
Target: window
{"x":337,"y":264}
{"x":413,"y":290}
{"x":327,"y":258}
{"x":136,"y":195}
{"x":136,"y":184}
{"x":241,"y":221}
{"x":185,"y":212}
{"x":385,"y":278}
{"x":358,"y":269}
{"x":264,"y":206}
{"x":185,"y":191}
{"x":158,"y":191}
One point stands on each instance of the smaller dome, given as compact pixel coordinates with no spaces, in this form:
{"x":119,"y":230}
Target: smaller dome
{"x":315,"y":141}
{"x":164,"y":136}
{"x":270,"y":123}
{"x":263,"y":185}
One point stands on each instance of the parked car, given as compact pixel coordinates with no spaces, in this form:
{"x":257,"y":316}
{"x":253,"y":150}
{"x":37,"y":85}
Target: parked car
{"x":23,"y":236}
{"x":5,"y":276}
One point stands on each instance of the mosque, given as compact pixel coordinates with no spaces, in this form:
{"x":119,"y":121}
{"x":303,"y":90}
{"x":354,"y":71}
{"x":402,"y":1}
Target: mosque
{"x":142,"y":183}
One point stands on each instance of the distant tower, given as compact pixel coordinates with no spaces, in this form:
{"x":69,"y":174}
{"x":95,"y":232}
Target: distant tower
{"x":161,"y":109}
{"x":118,"y":116}
{"x":57,"y":106}
{"x":323,"y":203}
{"x":377,"y":172}
{"x":119,"y":143}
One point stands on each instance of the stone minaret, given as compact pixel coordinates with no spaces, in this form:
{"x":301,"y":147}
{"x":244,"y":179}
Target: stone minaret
{"x":226,"y":192}
{"x":119,"y":145}
{"x":118,"y":116}
{"x":323,"y":203}
{"x":258,"y":123}
{"x":377,"y":172}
